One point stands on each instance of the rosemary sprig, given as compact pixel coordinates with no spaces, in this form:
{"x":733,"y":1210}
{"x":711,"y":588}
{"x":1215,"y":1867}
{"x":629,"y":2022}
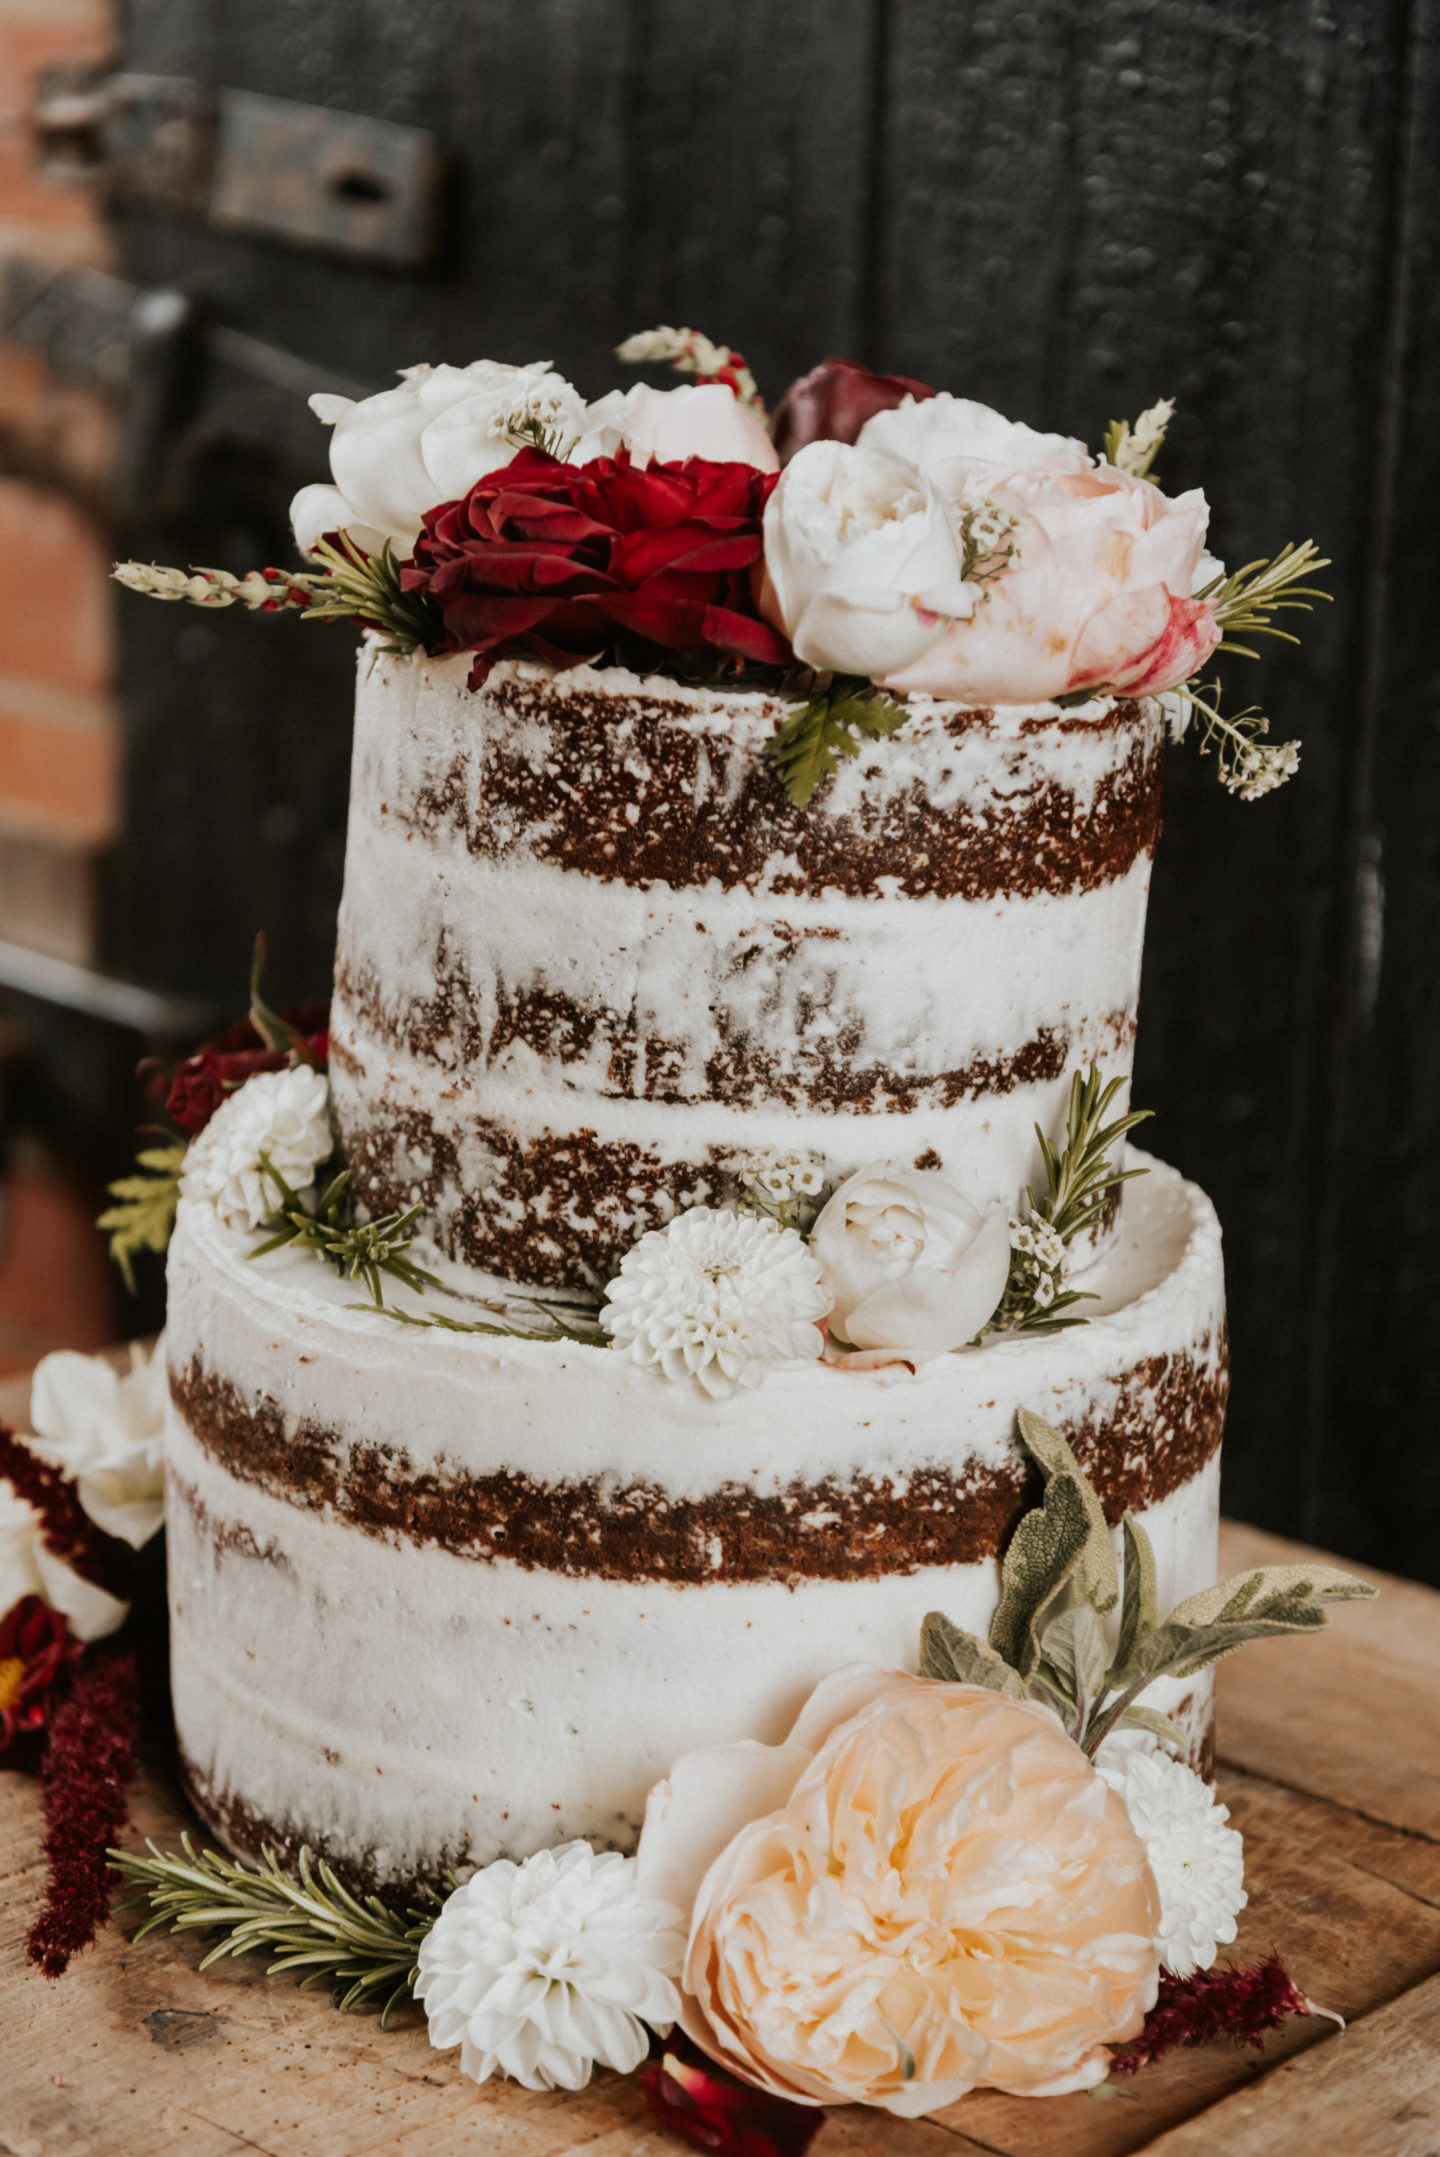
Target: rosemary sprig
{"x":560,"y":1328}
{"x":144,"y":1218}
{"x":358,"y":1250}
{"x":1079,"y":1176}
{"x":363,"y":1948}
{"x":842,"y":711}
{"x":366,"y":587}
{"x":1249,"y":598}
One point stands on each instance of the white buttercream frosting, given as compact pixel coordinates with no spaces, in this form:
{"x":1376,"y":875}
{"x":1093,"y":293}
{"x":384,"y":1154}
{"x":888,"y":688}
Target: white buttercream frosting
{"x":403,"y":1703}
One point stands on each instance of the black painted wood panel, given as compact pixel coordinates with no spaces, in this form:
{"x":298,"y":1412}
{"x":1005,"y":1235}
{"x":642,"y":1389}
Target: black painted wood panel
{"x":1066,"y":208}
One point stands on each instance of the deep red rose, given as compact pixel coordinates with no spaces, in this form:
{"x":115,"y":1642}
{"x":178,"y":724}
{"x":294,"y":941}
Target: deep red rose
{"x":35,"y":1648}
{"x":553,"y":559}
{"x":195,"y":1089}
{"x":833,"y":402}
{"x":713,"y":2112}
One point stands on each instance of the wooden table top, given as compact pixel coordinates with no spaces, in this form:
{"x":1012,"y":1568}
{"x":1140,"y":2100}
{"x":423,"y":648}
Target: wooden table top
{"x":1330,"y":1763}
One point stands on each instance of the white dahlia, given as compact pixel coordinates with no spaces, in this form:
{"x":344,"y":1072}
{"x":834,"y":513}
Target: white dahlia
{"x":545,"y":1970}
{"x":1198,"y":1861}
{"x":284,"y":1115}
{"x":719,"y":1297}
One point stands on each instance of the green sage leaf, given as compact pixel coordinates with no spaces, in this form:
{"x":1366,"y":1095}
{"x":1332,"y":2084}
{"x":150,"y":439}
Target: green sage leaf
{"x":1138,"y":1611}
{"x":956,"y":1657}
{"x":1159,"y":1726}
{"x":1256,"y":1593}
{"x":1053,"y":1456}
{"x":1045,"y":1552}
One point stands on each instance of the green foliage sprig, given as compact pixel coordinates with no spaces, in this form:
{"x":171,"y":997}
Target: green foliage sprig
{"x":363,"y":1948}
{"x":556,"y":1328}
{"x":842,"y":712}
{"x":144,"y":1217}
{"x":358,"y":1250}
{"x":1060,"y":1581}
{"x":1079,"y":1176}
{"x":1250,"y":598}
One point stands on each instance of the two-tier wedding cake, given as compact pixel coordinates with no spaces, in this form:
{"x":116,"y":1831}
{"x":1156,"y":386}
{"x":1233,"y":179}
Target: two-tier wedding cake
{"x":701,"y":1276}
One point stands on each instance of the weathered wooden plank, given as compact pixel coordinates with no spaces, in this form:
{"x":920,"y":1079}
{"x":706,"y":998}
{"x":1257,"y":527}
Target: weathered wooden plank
{"x":1376,"y":2093}
{"x":1353,"y":1715}
{"x":150,"y":2049}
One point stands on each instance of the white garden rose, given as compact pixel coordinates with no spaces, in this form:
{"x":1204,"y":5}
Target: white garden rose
{"x":911,"y":1264}
{"x":668,"y":425}
{"x":938,"y":428}
{"x":105,"y":1428}
{"x":406,"y":450}
{"x":863,"y":561}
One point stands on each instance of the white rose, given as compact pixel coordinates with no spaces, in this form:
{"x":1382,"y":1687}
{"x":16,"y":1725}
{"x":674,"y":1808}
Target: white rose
{"x":106,"y":1430}
{"x":670,"y":425}
{"x":910,"y":1262}
{"x":863,"y":561}
{"x":941,"y":427}
{"x":28,"y":1568}
{"x":284,"y":1115}
{"x":406,"y":450}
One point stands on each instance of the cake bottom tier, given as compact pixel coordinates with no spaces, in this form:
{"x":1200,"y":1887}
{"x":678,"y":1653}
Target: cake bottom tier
{"x":436,"y":1599}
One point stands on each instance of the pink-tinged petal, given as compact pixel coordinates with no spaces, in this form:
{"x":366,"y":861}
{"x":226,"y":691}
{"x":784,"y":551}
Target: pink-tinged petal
{"x":1145,"y":642}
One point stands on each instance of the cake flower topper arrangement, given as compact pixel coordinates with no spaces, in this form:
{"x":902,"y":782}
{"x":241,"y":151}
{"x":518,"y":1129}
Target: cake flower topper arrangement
{"x":877,"y":541}
{"x":994,"y":1874}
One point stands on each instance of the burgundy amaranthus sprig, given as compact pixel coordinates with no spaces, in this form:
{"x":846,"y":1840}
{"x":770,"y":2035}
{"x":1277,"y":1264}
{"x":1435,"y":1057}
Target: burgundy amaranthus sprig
{"x":1224,"y":2002}
{"x":88,"y":1768}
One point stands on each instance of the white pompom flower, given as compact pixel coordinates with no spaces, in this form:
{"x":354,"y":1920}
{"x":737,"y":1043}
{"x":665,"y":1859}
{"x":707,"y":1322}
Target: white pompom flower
{"x":546,"y":1970}
{"x":723,"y":1298}
{"x":283,"y":1116}
{"x":1198,"y":1860}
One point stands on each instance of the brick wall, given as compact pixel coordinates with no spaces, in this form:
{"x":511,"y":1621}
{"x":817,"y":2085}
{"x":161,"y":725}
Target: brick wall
{"x":58,"y":735}
{"x":58,"y":744}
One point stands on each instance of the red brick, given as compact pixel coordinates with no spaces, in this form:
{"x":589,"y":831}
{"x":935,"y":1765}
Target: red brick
{"x":55,"y":618}
{"x":56,"y":1289}
{"x":57,"y":779}
{"x":31,"y":38}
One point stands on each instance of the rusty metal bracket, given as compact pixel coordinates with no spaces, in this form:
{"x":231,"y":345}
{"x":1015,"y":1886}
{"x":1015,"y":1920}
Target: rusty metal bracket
{"x":335,"y":182}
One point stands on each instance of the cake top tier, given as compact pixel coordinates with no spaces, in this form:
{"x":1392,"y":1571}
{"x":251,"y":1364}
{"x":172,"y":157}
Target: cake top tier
{"x":593,"y":962}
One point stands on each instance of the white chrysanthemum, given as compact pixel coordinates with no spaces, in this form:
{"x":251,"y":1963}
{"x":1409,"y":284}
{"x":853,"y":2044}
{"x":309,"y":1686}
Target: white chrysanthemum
{"x":545,"y":1970}
{"x":1198,"y":1861}
{"x":720,"y":1297}
{"x":106,"y":1428}
{"x":284,"y":1115}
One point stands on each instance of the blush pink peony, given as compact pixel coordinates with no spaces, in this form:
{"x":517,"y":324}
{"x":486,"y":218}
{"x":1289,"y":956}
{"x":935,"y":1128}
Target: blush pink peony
{"x":1100,"y":595}
{"x":927,"y":1889}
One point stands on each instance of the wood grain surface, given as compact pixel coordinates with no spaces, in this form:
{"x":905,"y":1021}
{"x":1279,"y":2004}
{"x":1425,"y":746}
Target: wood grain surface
{"x":138,"y":2053}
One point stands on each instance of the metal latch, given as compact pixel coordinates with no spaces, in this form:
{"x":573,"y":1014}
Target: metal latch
{"x":337,"y":182}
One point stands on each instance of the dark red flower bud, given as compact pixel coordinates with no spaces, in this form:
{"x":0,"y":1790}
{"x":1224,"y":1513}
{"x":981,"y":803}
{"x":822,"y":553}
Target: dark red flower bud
{"x":833,"y":402}
{"x":36,"y":1649}
{"x":712,"y":2112}
{"x":195,"y":1089}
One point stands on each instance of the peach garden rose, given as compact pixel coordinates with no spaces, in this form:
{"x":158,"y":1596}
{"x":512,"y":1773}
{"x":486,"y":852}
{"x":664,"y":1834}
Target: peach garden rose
{"x":927,"y":1889}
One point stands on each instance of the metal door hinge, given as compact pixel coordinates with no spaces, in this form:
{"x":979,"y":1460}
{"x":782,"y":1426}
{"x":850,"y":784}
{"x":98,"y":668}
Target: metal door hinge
{"x":337,"y":182}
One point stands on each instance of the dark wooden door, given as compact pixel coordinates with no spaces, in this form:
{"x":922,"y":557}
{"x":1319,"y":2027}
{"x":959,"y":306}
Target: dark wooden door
{"x":1063,"y":207}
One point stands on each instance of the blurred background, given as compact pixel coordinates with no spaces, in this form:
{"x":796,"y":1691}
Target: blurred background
{"x":1067,"y":209}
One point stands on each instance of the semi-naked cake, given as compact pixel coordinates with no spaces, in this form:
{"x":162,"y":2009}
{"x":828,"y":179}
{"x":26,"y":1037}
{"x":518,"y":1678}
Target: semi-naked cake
{"x":440,"y":1596}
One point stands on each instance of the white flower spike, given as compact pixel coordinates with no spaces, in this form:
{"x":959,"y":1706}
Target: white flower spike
{"x":546,"y":1970}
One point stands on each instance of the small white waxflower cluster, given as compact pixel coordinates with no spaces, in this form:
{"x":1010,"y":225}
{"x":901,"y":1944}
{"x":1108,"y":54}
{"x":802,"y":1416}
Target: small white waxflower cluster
{"x":1260,"y":767}
{"x":282,"y":1117}
{"x":546,"y":1970}
{"x":723,"y":1298}
{"x":1044,"y":1262}
{"x":1197,"y":1859}
{"x":987,"y":534}
{"x":546,"y":406}
{"x":785,"y":1186}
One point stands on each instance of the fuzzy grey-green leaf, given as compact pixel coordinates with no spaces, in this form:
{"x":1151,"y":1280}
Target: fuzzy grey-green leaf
{"x":1054,"y":1457}
{"x":1045,"y":1551}
{"x":1251,"y":1594}
{"x":1073,"y":1646}
{"x":1159,"y":1726}
{"x":1138,"y":1609}
{"x":951,"y":1654}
